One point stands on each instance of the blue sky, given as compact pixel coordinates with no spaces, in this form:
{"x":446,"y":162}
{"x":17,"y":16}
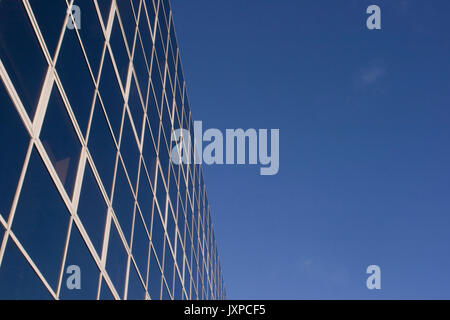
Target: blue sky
{"x":364,"y":134}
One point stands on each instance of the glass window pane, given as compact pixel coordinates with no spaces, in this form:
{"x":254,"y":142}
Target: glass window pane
{"x":105,"y":7}
{"x":11,"y":129}
{"x":91,"y":32}
{"x":119,"y":50}
{"x":171,"y":227}
{"x":92,"y":209}
{"x":105,"y":292}
{"x":136,"y":290}
{"x":165,"y":293}
{"x":161,"y":195}
{"x":158,"y":236}
{"x":154,"y":278}
{"x":116,"y":262}
{"x":50,"y":16}
{"x":141,"y":245}
{"x":178,"y":288}
{"x":153,"y":117}
{"x":21,"y":53}
{"x":60,"y":140}
{"x":102,"y":147}
{"x":149,"y":154}
{"x":41,"y":220}
{"x":18,"y":279}
{"x":136,"y":107}
{"x":157,"y":82}
{"x":168,"y":267}
{"x":111,"y":94}
{"x":145,"y":198}
{"x":78,"y":255}
{"x":130,"y":151}
{"x":146,"y":37}
{"x":128,"y":20}
{"x":123,"y":202}
{"x":76,"y":78}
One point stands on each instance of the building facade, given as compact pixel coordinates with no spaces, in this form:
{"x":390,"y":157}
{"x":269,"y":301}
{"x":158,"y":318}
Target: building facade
{"x":91,"y":205}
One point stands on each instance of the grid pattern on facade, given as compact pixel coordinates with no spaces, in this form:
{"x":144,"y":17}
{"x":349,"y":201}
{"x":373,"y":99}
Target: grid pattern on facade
{"x":87,"y":181}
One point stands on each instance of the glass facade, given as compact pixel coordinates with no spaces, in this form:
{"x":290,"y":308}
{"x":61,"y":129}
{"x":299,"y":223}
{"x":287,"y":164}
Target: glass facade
{"x":87,"y":115}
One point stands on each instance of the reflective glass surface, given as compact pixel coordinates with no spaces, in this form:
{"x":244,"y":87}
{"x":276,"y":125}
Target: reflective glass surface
{"x":88,"y":158}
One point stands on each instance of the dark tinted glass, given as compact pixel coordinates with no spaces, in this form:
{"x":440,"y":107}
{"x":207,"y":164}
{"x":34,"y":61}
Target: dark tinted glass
{"x":161,"y":195}
{"x":136,"y":289}
{"x":168,"y":267}
{"x":102,"y":147}
{"x":50,"y":16}
{"x":154,"y":278}
{"x":76,"y":78}
{"x":11,"y":129}
{"x":123,"y":202}
{"x":92,"y":209}
{"x":18,"y":279}
{"x":21,"y":53}
{"x":145,"y":32}
{"x":78,"y":255}
{"x":158,"y":236}
{"x":128,"y":20}
{"x":149,"y":154}
{"x":130,"y":151}
{"x":111,"y":95}
{"x":142,"y":72}
{"x":41,"y":220}
{"x":178,"y":288}
{"x":116,"y":262}
{"x":60,"y":140}
{"x":91,"y":32}
{"x":105,"y":292}
{"x":141,"y":245}
{"x":105,"y":6}
{"x":119,"y":50}
{"x":145,"y":198}
{"x":136,"y":107}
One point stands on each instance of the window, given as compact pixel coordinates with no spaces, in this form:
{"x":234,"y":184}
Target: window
{"x":111,"y":95}
{"x":168,"y":267}
{"x":136,"y":289}
{"x":41,"y":220}
{"x":18,"y":279}
{"x":76,"y":78}
{"x":102,"y":147}
{"x":119,"y":50}
{"x":91,"y":32}
{"x":141,"y":245}
{"x":141,"y":69}
{"x":10,"y":166}
{"x":123,"y":202}
{"x":136,"y":107}
{"x":92,"y":209}
{"x":154,"y":278}
{"x":130,"y":151}
{"x":78,"y":255}
{"x":50,"y":16}
{"x":105,"y":7}
{"x":60,"y":141}
{"x":116,"y":261}
{"x":105,"y":292}
{"x":128,"y":20}
{"x":21,"y":53}
{"x":158,"y":236}
{"x":145,"y":198}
